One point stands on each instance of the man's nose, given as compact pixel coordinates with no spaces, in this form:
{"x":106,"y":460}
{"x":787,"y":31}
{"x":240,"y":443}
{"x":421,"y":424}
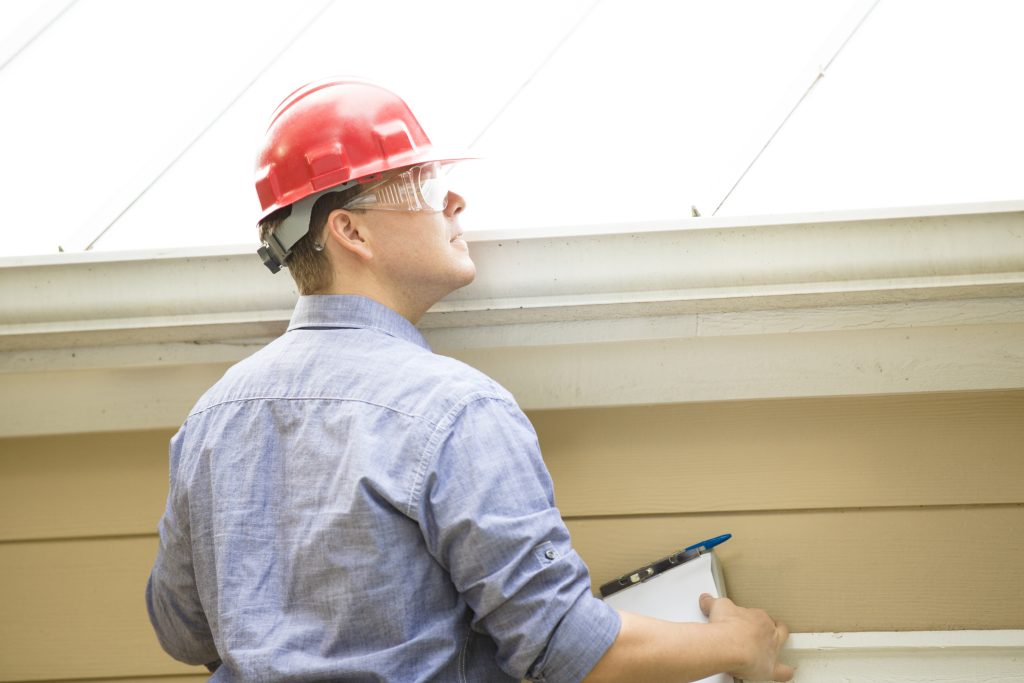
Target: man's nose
{"x":456,"y":203}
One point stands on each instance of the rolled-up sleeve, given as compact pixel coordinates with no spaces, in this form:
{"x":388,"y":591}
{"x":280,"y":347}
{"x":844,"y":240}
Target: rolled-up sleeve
{"x":485,"y":504}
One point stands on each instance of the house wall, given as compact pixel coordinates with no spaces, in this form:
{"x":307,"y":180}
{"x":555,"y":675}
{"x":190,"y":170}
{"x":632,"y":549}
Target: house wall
{"x":891,"y":512}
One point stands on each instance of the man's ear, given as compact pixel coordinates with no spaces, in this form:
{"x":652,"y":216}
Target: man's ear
{"x":343,"y":229}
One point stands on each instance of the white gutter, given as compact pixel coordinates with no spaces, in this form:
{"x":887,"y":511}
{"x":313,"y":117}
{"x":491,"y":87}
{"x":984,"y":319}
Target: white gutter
{"x":919,"y":299}
{"x":541,"y":275}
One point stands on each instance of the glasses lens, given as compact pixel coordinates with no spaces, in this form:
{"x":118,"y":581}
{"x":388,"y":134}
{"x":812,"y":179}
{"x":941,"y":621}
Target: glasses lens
{"x":420,"y":188}
{"x":433,"y":186}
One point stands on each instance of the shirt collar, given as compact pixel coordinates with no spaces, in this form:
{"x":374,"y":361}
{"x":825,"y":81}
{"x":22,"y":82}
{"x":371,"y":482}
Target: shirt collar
{"x":351,"y":311}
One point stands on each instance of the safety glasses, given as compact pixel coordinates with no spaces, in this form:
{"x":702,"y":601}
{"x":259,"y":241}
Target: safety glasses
{"x":420,"y":188}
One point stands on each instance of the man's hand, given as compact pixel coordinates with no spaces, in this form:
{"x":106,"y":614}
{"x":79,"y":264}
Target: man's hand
{"x":757,"y":636}
{"x":744,"y":642}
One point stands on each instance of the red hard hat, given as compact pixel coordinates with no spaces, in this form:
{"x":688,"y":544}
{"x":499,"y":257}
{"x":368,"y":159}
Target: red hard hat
{"x":331,"y":132}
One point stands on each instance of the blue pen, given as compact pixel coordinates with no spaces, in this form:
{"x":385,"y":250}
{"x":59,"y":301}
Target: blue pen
{"x":704,"y":546}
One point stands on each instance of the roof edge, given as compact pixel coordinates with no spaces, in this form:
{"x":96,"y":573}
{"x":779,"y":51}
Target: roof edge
{"x":556,"y":231}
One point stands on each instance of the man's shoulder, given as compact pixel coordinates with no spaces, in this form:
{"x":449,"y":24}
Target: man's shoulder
{"x":390,"y":373}
{"x":457,"y":382}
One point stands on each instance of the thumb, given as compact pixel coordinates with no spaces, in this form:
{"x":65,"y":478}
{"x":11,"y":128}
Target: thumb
{"x":705,"y":603}
{"x":783,"y":672}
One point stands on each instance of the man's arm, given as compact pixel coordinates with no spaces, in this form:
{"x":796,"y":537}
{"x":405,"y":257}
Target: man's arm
{"x":743,"y":642}
{"x":487,"y":513}
{"x":173,"y":602}
{"x":172,"y":597}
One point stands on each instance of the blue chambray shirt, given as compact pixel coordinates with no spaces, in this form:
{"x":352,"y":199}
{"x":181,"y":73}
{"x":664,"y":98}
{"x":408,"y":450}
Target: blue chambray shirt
{"x":347,"y":505}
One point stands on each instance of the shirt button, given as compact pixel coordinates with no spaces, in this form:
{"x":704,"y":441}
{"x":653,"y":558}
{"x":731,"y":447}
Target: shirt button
{"x":550,"y":554}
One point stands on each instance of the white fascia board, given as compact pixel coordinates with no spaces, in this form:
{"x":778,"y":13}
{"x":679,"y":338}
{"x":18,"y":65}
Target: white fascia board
{"x":701,"y":310}
{"x":877,"y":657}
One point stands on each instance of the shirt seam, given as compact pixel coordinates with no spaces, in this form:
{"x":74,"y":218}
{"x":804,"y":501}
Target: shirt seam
{"x":312,"y":398}
{"x":433,"y":443}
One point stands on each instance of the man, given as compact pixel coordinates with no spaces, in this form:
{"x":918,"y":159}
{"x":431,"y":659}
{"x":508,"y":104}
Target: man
{"x":345,"y":504}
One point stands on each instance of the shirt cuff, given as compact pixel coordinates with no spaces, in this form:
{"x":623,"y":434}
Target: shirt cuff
{"x":581,"y":639}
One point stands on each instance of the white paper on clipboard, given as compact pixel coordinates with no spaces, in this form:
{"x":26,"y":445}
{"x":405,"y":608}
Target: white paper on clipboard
{"x":674,"y":595}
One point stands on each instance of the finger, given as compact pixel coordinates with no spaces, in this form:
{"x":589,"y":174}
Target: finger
{"x":783,"y":672}
{"x":781,"y":632}
{"x":706,"y":601}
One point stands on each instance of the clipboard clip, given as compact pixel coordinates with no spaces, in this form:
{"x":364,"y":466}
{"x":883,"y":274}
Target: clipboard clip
{"x":636,"y":577}
{"x":646,"y":572}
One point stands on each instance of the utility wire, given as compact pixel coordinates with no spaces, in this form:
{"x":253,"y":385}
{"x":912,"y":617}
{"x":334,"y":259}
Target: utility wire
{"x":238,"y":95}
{"x":35,"y":34}
{"x":820,"y":75}
{"x":540,"y":67}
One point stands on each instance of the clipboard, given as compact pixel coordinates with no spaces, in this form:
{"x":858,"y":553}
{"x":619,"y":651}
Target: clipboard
{"x":670,"y":589}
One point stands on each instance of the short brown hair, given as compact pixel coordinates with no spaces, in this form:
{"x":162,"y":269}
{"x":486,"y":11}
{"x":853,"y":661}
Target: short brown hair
{"x":309,"y":267}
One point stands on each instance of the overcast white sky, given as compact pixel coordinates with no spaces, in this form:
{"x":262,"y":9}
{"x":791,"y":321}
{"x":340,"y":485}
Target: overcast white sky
{"x":140,"y":120}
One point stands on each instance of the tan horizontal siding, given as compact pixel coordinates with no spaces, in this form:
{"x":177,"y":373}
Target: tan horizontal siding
{"x":104,"y":484}
{"x":852,"y":513}
{"x":856,"y":570}
{"x":929,"y":449}
{"x":903,"y":569}
{"x":808,"y":453}
{"x":185,"y":678}
{"x":76,"y":609}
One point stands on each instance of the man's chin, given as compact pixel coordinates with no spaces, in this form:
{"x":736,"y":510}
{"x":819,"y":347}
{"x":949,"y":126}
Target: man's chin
{"x":470,"y":275}
{"x":465,"y":274}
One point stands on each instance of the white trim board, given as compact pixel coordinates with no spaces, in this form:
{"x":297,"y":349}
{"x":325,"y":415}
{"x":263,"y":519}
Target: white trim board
{"x":632,"y":271}
{"x":837,"y":305}
{"x":556,"y":365}
{"x":903,"y":657}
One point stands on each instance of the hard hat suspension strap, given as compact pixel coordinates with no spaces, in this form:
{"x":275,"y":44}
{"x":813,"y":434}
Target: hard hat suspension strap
{"x":279,"y":243}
